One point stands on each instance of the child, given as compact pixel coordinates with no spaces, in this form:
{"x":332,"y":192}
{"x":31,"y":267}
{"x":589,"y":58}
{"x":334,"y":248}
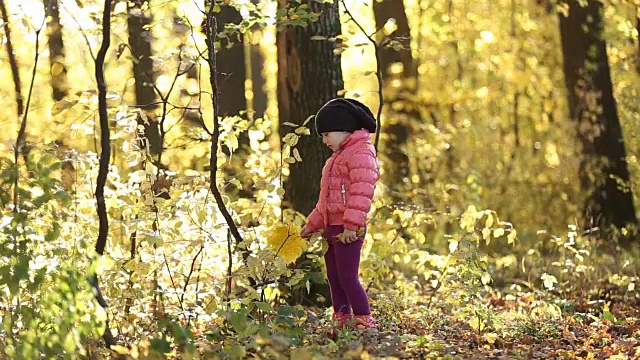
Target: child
{"x":346,"y":191}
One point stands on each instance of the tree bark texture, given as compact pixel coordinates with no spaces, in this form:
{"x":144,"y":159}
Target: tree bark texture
{"x":257,"y":62}
{"x":231,"y":64}
{"x":309,"y":74}
{"x":257,"y":65}
{"x":140,"y":38}
{"x":638,"y":31}
{"x":58,"y":68}
{"x":593,"y":108}
{"x":15,"y":71}
{"x":397,"y":123}
{"x":258,"y":81}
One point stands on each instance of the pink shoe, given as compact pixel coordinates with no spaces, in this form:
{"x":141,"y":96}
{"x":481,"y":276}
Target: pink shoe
{"x":364,"y":322}
{"x":341,"y":319}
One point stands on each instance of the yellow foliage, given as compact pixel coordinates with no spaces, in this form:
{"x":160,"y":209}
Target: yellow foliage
{"x":286,"y":242}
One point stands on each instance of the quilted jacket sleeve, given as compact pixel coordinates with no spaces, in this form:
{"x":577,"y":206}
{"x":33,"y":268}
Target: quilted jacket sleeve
{"x":315,"y":221}
{"x":363,"y":175}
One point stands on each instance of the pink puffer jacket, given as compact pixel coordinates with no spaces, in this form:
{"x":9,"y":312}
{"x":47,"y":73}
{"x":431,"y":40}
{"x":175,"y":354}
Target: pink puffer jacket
{"x":346,"y":188}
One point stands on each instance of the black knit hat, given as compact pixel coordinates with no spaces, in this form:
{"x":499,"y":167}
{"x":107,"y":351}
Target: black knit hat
{"x":344,"y":115}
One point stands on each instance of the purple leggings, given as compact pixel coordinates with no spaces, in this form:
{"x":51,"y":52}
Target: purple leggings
{"x":343,"y":262}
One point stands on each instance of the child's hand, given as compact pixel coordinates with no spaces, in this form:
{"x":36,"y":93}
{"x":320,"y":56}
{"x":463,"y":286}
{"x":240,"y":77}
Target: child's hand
{"x":348,"y":236}
{"x":305,"y":232}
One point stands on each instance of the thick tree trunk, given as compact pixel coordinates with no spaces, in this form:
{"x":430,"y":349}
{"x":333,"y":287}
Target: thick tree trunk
{"x":15,"y":71}
{"x":232,"y":73}
{"x":593,"y":108}
{"x":140,"y":38}
{"x":58,"y":69}
{"x":257,"y":64}
{"x":390,"y":9}
{"x":638,"y":53}
{"x":258,"y":81}
{"x":309,"y":74}
{"x":231,"y":65}
{"x":398,"y":122}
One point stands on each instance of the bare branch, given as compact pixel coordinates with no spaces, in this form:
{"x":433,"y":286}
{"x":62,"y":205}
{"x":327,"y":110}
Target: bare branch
{"x":376,"y":47}
{"x":84,"y":35}
{"x":105,"y":155}
{"x":211,"y":30}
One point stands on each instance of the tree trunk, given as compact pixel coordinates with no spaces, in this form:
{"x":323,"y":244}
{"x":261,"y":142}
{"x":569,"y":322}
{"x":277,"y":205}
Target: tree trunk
{"x":232,"y":73}
{"x":257,"y":66}
{"x":309,"y":74}
{"x":258,"y":80}
{"x":638,"y":31}
{"x":140,"y":38}
{"x":398,"y":122}
{"x":231,"y":65}
{"x":183,"y":31}
{"x":59,"y":82}
{"x":15,"y":71}
{"x":593,"y":108}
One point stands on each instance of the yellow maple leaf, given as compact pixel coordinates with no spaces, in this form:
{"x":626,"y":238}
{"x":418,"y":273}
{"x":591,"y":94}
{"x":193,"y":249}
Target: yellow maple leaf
{"x":286,"y":242}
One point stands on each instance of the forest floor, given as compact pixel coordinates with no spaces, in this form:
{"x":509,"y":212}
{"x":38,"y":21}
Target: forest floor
{"x":523,"y":328}
{"x":520,"y":331}
{"x":512,"y":327}
{"x":600,"y":323}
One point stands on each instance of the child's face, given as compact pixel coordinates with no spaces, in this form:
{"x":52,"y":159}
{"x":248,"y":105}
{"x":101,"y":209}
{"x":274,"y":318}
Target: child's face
{"x":333,"y":139}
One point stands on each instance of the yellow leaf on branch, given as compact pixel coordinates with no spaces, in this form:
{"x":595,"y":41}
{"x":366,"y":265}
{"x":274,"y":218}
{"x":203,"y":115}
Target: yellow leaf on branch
{"x":286,"y":242}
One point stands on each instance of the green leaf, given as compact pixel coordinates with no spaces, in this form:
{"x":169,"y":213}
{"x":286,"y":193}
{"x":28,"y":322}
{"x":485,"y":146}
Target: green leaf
{"x":14,"y":285}
{"x":41,"y":200}
{"x":56,"y":165}
{"x":238,"y":321}
{"x":21,"y":270}
{"x":5,"y":273}
{"x":489,"y":222}
{"x":53,"y":234}
{"x":63,"y":196}
{"x":607,"y":315}
{"x":264,"y":306}
{"x":38,"y":279}
{"x":290,"y":139}
{"x":296,"y":154}
{"x":181,"y":334}
{"x":24,"y":194}
{"x":486,"y":234}
{"x":161,"y":346}
{"x":303,"y":130}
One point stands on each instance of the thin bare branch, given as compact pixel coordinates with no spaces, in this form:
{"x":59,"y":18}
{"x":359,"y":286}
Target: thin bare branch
{"x":376,"y":47}
{"x":86,"y":39}
{"x":105,"y":155}
{"x":211,"y":32}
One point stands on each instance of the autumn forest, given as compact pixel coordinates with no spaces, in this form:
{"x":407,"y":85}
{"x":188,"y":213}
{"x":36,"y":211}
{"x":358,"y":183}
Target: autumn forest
{"x":159,"y":158}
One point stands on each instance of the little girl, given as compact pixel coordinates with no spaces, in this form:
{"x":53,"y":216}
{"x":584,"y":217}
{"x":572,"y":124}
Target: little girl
{"x":346,"y":190}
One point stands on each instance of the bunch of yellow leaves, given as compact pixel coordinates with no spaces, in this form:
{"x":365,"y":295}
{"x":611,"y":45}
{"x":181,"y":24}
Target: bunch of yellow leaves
{"x":286,"y":242}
